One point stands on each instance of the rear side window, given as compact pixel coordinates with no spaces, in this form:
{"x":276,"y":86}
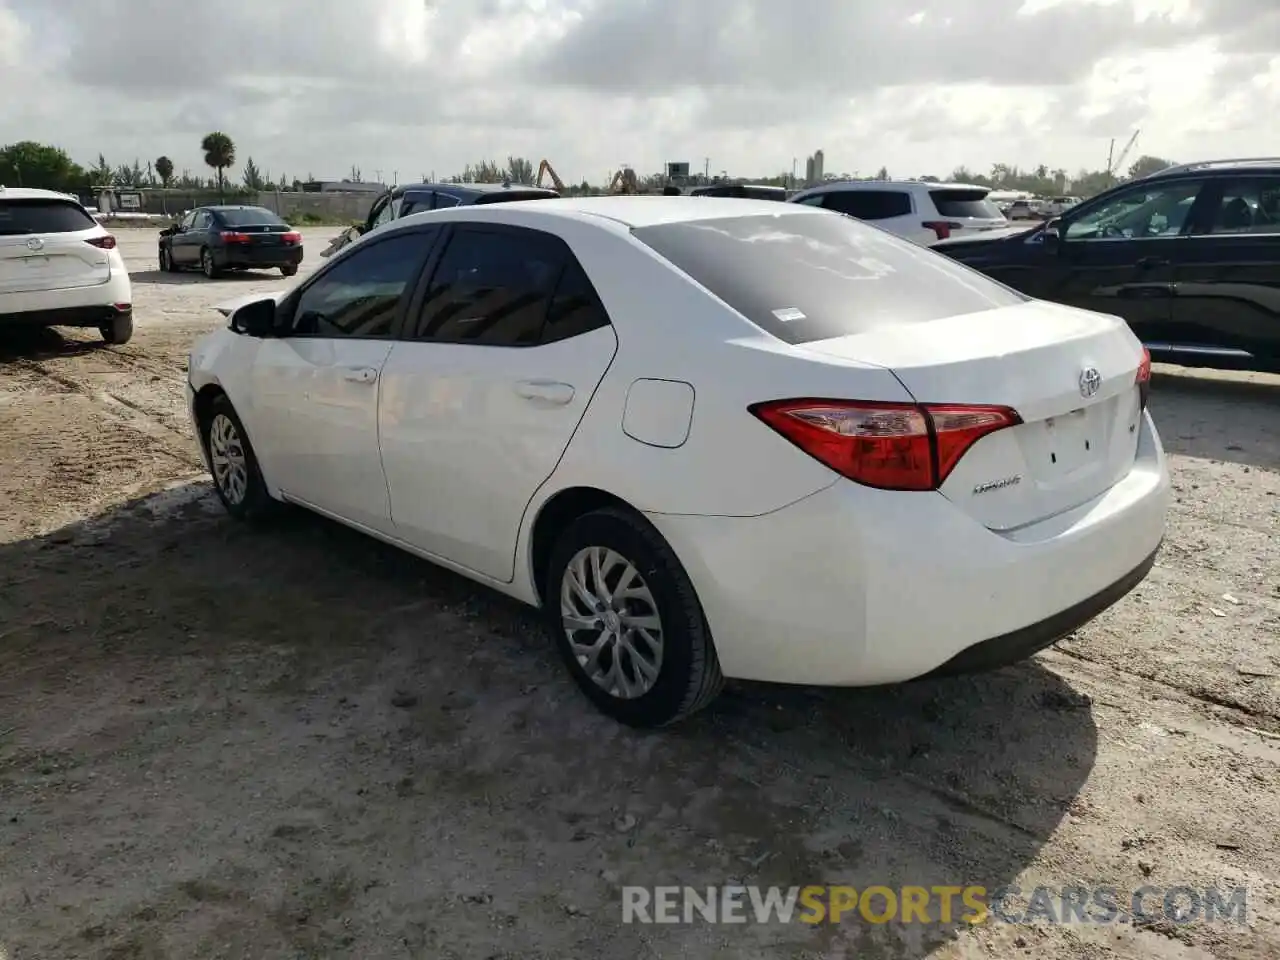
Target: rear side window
{"x":764,"y":193}
{"x":966,"y":203}
{"x":43,"y":216}
{"x":869,"y":204}
{"x":575,"y":307}
{"x":249,"y":217}
{"x":805,"y":277}
{"x":492,"y":288}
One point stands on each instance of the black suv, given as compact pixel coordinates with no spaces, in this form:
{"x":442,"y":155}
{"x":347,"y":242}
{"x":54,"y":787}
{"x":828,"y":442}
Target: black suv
{"x":407,"y":198}
{"x":1189,"y":257}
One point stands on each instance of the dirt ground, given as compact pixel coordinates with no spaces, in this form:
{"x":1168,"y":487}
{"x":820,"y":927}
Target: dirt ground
{"x":221,"y":742}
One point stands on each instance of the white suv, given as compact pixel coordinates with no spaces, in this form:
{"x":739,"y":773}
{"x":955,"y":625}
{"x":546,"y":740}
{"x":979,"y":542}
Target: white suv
{"x":915,"y":210}
{"x":60,"y":267}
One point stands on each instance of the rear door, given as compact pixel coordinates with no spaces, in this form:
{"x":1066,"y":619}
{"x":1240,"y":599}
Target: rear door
{"x":1116,"y":256}
{"x":500,"y":354}
{"x":44,"y":245}
{"x":316,"y":386}
{"x":890,"y":209}
{"x":1227,"y":272}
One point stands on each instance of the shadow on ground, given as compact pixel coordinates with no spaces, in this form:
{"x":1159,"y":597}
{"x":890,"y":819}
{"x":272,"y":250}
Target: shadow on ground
{"x":295,"y":741}
{"x":42,"y":343}
{"x":160,"y":278}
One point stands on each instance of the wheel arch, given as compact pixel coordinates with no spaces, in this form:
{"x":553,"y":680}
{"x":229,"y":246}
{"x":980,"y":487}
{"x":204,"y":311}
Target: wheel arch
{"x":559,"y":510}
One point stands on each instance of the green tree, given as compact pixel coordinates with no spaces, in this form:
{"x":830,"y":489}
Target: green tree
{"x":219,"y":153}
{"x":31,"y":164}
{"x":520,"y":169}
{"x":164,"y":167}
{"x":252,"y":177}
{"x":1146,"y":165}
{"x":102,"y":174}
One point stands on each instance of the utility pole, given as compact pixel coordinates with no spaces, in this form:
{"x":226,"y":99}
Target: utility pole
{"x":793,"y":173}
{"x":706,"y":168}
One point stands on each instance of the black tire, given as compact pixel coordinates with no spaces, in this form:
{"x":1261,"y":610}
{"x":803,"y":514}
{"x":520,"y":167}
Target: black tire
{"x":688,"y":677}
{"x":166,"y":261}
{"x":207,"y":266}
{"x":289,"y":271}
{"x":118,"y":330}
{"x":255,"y":503}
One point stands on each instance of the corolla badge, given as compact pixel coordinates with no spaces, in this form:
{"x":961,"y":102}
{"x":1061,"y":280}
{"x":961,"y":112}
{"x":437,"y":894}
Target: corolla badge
{"x":1000,"y":484}
{"x":1090,"y":381}
{"x":35,"y":243}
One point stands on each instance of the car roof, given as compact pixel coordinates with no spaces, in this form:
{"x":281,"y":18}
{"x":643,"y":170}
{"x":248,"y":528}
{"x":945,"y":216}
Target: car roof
{"x":630,"y":212}
{"x":905,"y":185}
{"x":477,"y":188}
{"x":1250,"y":164}
{"x":219,"y":207}
{"x":34,"y":193}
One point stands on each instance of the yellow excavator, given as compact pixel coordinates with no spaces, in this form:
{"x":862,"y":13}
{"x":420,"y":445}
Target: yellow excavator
{"x":545,"y":169}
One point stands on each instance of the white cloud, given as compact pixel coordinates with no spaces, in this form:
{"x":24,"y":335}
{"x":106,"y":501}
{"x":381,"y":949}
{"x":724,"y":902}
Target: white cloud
{"x":740,"y":85}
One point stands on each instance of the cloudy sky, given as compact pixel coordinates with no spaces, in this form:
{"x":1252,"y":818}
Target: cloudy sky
{"x":414,"y":87}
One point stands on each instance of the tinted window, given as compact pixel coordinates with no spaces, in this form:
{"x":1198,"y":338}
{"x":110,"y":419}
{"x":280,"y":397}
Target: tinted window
{"x":965,"y":203}
{"x":869,"y":204}
{"x":203,"y":221}
{"x":1248,"y":206}
{"x":804,"y":277}
{"x":1151,"y":210}
{"x":188,"y":221}
{"x":575,"y":308}
{"x":249,"y":216}
{"x":383,"y":215}
{"x":492,"y":288}
{"x":358,"y":295}
{"x":446,"y":200}
{"x":764,"y":193}
{"x":43,"y":216}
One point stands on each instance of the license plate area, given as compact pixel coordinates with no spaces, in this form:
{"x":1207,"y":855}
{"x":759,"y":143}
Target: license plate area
{"x":1072,"y":441}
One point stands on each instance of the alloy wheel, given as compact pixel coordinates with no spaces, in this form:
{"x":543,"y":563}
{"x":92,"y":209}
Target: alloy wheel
{"x":227,"y":456}
{"x":611,"y":620}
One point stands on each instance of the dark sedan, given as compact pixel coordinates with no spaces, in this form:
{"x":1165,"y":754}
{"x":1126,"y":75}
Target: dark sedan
{"x":217,"y":239}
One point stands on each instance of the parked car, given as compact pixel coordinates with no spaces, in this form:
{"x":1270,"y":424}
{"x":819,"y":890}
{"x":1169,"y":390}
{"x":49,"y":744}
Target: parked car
{"x":919,"y":211}
{"x":1189,"y":257}
{"x":1023,"y":209}
{"x":60,"y":267}
{"x":746,"y":191}
{"x":1057,"y":206}
{"x":406,"y":199}
{"x":217,"y":239}
{"x":604,"y":408}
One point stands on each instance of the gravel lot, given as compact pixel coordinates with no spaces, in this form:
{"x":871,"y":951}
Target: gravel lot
{"x":216,"y":742}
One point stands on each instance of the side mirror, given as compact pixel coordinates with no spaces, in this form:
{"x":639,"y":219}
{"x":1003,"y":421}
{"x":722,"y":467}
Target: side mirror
{"x":257,"y":319}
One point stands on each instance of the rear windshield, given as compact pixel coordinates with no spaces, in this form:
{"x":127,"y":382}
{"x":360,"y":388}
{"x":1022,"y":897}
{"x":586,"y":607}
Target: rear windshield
{"x":43,"y":216}
{"x":507,"y":196}
{"x":249,"y":217}
{"x":805,"y":277}
{"x":965,"y":203}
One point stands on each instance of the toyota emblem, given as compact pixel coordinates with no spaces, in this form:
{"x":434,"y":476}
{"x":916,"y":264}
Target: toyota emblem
{"x":1090,"y":381}
{"x":35,"y":243}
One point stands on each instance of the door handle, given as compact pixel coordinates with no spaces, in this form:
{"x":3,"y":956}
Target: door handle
{"x":548,"y":391}
{"x":1146,"y":263}
{"x":359,"y":374}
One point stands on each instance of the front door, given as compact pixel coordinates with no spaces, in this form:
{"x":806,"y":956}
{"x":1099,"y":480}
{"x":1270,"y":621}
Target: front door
{"x":484,"y":389}
{"x":1118,"y":256}
{"x":316,"y":385}
{"x":180,"y":248}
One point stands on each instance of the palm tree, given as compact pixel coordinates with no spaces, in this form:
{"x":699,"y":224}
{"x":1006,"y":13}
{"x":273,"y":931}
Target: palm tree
{"x":219,"y":153}
{"x":164,"y":167}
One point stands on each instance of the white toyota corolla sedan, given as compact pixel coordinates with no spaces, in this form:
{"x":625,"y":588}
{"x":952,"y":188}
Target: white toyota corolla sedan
{"x":709,"y":438}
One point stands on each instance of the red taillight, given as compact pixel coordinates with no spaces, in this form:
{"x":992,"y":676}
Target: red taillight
{"x":292,"y":237}
{"x":1143,"y":379}
{"x":892,"y":446}
{"x":231,"y":236}
{"x":107,"y":242}
{"x":942,"y":228}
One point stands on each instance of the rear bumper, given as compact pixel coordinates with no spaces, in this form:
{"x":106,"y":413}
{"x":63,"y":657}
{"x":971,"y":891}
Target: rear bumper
{"x":852,"y":586}
{"x":68,"y":306}
{"x":264,"y":257}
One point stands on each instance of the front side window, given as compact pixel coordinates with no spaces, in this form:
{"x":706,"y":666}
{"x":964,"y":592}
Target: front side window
{"x":187,"y":221}
{"x":383,"y":215}
{"x":359,"y":295}
{"x":1248,"y":206}
{"x":1141,"y":212}
{"x":807,"y":276}
{"x":204,"y":220}
{"x":492,"y":288}
{"x":445,"y":200}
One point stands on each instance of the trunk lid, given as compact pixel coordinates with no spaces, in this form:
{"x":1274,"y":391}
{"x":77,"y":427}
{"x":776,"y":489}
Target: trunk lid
{"x":33,"y":262}
{"x":1079,"y":433}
